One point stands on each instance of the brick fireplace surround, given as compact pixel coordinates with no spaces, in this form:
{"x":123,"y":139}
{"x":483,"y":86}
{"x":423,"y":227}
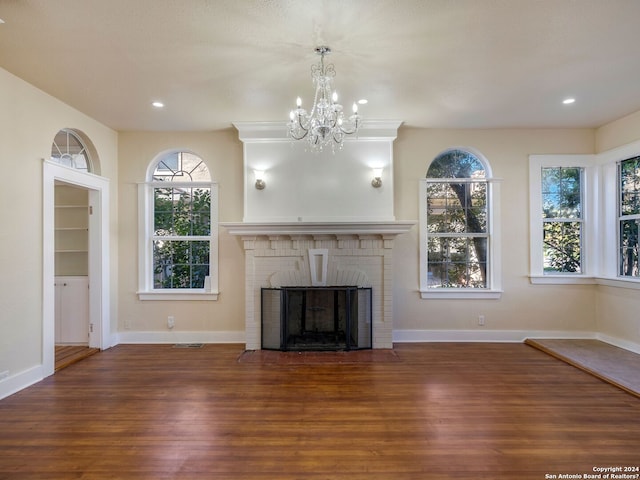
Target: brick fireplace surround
{"x":330,"y":254}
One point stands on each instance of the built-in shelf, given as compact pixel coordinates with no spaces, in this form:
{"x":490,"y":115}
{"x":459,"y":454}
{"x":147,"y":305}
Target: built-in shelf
{"x":71,"y":231}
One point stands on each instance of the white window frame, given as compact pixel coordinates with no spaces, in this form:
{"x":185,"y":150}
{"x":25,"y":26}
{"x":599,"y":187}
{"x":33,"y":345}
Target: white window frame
{"x":600,"y":251}
{"x":494,"y":264}
{"x":146,"y":291}
{"x":609,"y":238}
{"x":620,"y":217}
{"x":84,"y":152}
{"x":588,"y":218}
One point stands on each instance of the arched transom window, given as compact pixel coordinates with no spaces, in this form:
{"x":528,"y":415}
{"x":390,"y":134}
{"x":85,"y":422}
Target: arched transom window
{"x":69,"y":150}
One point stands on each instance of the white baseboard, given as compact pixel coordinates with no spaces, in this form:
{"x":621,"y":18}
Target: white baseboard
{"x":515,"y":336}
{"x":181,"y":337}
{"x":504,"y":336}
{"x":15,"y":383}
{"x":399,"y":336}
{"x":619,"y":342}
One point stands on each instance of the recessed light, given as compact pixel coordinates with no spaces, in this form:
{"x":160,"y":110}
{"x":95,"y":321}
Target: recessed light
{"x":568,"y":101}
{"x":158,"y":104}
{"x":363,"y":101}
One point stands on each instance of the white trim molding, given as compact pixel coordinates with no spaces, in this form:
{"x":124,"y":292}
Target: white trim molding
{"x":495,"y":248}
{"x":505,"y":336}
{"x":145,"y":261}
{"x":292,"y":229}
{"x":99,"y":258}
{"x":277,"y":131}
{"x":181,"y":337}
{"x":589,"y":218}
{"x":600,"y":249}
{"x":20,"y":381}
{"x":500,"y":336}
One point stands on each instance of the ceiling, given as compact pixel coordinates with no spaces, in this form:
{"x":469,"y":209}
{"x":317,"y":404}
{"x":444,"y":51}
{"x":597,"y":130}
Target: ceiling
{"x":429,"y":63}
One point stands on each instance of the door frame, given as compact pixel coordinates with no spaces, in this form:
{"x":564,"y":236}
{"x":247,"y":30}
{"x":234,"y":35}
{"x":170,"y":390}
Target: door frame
{"x":100,"y":335}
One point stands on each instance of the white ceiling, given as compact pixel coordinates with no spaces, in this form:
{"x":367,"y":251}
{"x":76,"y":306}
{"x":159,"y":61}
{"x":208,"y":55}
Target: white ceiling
{"x":429,"y":63}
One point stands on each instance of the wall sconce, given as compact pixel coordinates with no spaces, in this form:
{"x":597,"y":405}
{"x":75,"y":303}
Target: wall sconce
{"x":377,"y":178}
{"x":259,"y":175}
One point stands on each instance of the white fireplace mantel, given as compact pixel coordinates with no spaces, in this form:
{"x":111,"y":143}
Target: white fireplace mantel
{"x":294,"y":229}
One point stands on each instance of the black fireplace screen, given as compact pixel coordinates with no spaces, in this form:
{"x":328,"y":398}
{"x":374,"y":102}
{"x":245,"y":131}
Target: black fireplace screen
{"x":316,"y":318}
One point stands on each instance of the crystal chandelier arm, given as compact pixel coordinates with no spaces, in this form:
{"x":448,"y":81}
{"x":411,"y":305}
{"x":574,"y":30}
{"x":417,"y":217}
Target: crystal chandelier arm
{"x":351,"y":126}
{"x":297,"y":130}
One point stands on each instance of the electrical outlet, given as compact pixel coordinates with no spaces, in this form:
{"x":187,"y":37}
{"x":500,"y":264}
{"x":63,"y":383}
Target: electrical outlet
{"x":4,"y":375}
{"x":171,"y":321}
{"x":481,"y":320}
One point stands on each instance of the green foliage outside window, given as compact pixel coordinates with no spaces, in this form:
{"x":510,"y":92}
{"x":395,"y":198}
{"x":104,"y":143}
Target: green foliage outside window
{"x":182,"y":216}
{"x":457,"y":233}
{"x":629,"y":220}
{"x":562,"y":219}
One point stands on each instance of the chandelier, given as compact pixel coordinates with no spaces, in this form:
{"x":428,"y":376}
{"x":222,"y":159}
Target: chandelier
{"x":325,"y":124}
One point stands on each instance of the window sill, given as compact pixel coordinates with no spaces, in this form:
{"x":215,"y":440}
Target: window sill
{"x":633,"y":284}
{"x":197,"y":295}
{"x":630,"y":283}
{"x":460,"y":294}
{"x":562,"y":280}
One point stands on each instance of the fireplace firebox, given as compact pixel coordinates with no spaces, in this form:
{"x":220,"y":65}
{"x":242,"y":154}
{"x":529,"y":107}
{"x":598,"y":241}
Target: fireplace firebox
{"x":316,"y":318}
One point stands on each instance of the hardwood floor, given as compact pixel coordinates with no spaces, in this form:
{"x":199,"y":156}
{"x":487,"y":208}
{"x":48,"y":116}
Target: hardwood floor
{"x":69,"y":354}
{"x":440,"y":411}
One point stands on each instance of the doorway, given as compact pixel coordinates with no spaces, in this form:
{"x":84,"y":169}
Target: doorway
{"x":71,"y":270}
{"x":96,"y":243}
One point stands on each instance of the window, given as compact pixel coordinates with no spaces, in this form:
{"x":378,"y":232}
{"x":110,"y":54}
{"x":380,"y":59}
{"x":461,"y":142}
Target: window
{"x":458,"y":233}
{"x":628,"y":217}
{"x":585,"y":218}
{"x":69,"y":150}
{"x":562,"y":218}
{"x":179,"y":237}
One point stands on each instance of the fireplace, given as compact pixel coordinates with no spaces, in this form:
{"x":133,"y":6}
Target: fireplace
{"x":279,"y":255}
{"x":316,"y":318}
{"x":317,"y":220}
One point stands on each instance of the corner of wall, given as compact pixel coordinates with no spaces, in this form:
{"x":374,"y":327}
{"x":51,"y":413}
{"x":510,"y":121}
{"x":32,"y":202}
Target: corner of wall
{"x":618,"y":132}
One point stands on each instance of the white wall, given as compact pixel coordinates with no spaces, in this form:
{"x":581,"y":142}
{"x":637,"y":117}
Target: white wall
{"x":327,"y":186}
{"x":618,"y":316}
{"x":195,"y":321}
{"x":29,"y":120}
{"x":524,"y":308}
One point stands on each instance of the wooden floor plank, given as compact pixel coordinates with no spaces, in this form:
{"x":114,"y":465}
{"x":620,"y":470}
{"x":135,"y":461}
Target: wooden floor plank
{"x":438,"y":411}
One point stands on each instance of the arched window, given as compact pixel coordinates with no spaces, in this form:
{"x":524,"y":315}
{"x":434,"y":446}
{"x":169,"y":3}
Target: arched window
{"x":458,"y":229}
{"x":179,"y":247}
{"x":69,"y":150}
